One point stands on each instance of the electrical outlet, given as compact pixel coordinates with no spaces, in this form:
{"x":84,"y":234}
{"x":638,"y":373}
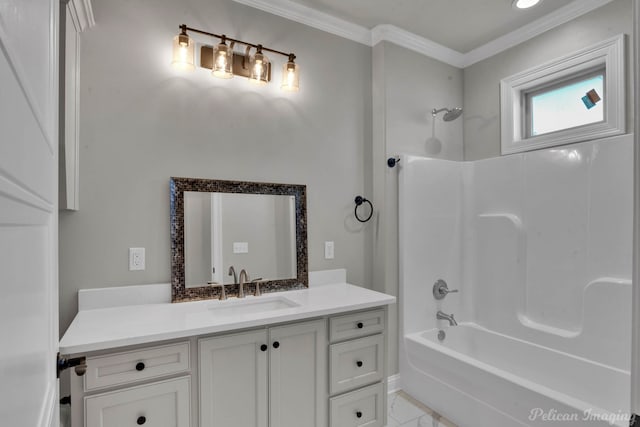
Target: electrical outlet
{"x":328,"y":250}
{"x":136,"y":259}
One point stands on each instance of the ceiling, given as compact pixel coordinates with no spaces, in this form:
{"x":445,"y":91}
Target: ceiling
{"x":461,"y":25}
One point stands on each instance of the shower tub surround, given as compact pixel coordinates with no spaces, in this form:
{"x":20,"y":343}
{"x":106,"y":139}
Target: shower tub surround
{"x":539,"y":245}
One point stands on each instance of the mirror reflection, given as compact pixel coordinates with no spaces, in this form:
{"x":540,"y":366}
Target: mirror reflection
{"x":255,"y":232}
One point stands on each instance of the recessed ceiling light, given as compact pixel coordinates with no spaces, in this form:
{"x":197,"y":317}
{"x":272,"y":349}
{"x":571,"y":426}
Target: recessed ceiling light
{"x":524,"y":4}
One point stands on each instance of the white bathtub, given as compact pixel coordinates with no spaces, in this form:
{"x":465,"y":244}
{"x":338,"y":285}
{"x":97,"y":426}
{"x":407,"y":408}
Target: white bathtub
{"x":479,"y":378}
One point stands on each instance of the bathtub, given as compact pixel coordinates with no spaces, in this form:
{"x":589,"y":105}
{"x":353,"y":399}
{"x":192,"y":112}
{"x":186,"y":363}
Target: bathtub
{"x":480,"y":378}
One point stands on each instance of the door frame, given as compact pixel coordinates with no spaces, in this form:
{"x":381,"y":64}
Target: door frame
{"x":635,"y":344}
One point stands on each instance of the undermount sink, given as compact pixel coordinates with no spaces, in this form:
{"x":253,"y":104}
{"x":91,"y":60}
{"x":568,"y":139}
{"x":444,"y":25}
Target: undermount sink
{"x":239,"y":307}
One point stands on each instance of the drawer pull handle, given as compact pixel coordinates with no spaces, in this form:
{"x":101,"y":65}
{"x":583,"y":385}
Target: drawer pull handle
{"x":141,"y":420}
{"x":359,"y":363}
{"x":360,"y":325}
{"x":263,"y":347}
{"x":140,"y":367}
{"x":276,"y":344}
{"x":359,"y":414}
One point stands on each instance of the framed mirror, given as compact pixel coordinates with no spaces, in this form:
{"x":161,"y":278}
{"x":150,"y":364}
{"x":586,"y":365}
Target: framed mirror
{"x":221,"y":227}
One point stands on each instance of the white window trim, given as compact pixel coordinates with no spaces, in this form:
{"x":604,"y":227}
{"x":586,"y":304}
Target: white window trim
{"x":609,"y":53}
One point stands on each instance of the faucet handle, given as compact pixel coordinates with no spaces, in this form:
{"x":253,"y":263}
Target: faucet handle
{"x":223,"y":293}
{"x":440,"y":289}
{"x":257,"y":293}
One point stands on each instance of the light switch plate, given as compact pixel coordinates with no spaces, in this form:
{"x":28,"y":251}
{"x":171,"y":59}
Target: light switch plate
{"x":136,"y":259}
{"x":240,"y":247}
{"x":328,"y":250}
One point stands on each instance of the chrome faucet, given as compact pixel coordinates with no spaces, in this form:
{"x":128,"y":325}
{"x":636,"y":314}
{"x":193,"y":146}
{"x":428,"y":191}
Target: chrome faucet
{"x":449,"y":317}
{"x":243,"y":279}
{"x":232,"y":272}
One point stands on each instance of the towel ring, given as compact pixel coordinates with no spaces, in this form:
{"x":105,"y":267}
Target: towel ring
{"x":359,"y":201}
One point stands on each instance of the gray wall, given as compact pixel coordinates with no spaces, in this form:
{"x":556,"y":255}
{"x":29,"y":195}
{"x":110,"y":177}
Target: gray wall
{"x":406,"y":87}
{"x":482,"y":80}
{"x":142,"y":122}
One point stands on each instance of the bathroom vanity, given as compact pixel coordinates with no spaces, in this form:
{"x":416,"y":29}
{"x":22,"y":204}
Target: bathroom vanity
{"x":311,"y":357}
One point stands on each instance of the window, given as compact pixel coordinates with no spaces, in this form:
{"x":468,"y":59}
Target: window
{"x":576,"y":98}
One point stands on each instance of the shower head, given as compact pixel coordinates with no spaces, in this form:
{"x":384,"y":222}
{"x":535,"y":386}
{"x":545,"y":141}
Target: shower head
{"x":450,"y":115}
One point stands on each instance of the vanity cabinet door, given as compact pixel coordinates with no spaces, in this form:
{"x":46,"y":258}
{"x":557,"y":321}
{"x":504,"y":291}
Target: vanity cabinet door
{"x":298,"y":375}
{"x":160,"y":404}
{"x":233,"y":380}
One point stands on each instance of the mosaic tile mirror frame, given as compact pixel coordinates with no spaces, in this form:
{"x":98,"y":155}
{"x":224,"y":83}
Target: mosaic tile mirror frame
{"x":180,"y":292}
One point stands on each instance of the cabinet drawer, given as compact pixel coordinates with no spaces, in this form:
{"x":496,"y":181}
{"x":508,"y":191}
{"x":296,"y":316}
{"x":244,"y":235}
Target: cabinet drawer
{"x":160,"y":404}
{"x":356,"y":363}
{"x":131,"y":366}
{"x":356,"y":325}
{"x":359,"y":408}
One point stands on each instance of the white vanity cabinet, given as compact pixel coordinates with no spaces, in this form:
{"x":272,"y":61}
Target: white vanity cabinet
{"x":177,"y":365}
{"x":270,"y":377}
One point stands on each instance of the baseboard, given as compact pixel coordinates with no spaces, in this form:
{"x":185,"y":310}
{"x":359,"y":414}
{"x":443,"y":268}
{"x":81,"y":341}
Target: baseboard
{"x":393,"y":383}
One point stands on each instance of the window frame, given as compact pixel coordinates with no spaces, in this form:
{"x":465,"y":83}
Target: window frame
{"x":607,"y":55}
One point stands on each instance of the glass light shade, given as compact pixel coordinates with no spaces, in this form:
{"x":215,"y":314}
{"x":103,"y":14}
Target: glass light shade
{"x":183,"y":53}
{"x":222,"y":61}
{"x":290,"y":77}
{"x":259,"y":69}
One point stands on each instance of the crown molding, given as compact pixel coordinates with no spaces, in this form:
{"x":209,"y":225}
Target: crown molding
{"x":390,"y":33}
{"x":416,"y":43}
{"x":561,"y":16}
{"x":313,"y":18}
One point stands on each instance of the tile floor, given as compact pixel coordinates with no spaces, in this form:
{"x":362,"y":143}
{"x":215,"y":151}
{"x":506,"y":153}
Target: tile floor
{"x":404,"y":411}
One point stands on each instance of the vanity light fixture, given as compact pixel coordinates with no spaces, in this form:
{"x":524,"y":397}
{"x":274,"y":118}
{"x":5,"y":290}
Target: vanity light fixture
{"x":223,"y":60}
{"x":290,"y":75}
{"x":225,"y":63}
{"x":183,"y":51}
{"x":524,"y":4}
{"x":260,"y":68}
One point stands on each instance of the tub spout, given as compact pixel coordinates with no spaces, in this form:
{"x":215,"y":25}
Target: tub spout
{"x":449,"y":317}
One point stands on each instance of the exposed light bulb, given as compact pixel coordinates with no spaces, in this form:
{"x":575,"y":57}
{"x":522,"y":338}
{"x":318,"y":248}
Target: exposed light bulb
{"x":223,"y":61}
{"x":290,"y":76}
{"x":259,"y":68}
{"x":183,"y":52}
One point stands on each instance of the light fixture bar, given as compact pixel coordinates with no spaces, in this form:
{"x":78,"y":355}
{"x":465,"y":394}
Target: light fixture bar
{"x":240,"y":62}
{"x":184,"y":29}
{"x":225,"y":63}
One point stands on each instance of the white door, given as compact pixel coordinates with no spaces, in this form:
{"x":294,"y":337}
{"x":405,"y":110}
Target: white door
{"x":298,"y":389}
{"x":28,"y":212}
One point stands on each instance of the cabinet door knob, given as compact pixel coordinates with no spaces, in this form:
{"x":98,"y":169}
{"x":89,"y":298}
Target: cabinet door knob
{"x":140,"y":367}
{"x":276,"y":344}
{"x":359,"y":414}
{"x":263,"y":347}
{"x":359,"y":363}
{"x":360,"y":325}
{"x":141,"y":420}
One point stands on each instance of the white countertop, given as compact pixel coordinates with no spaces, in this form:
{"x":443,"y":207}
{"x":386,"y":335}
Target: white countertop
{"x":105,"y":328}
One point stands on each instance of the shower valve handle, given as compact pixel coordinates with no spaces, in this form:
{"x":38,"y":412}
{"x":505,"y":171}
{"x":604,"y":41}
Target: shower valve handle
{"x":440,"y":289}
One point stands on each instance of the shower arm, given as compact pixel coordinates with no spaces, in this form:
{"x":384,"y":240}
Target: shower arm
{"x":434,"y":112}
